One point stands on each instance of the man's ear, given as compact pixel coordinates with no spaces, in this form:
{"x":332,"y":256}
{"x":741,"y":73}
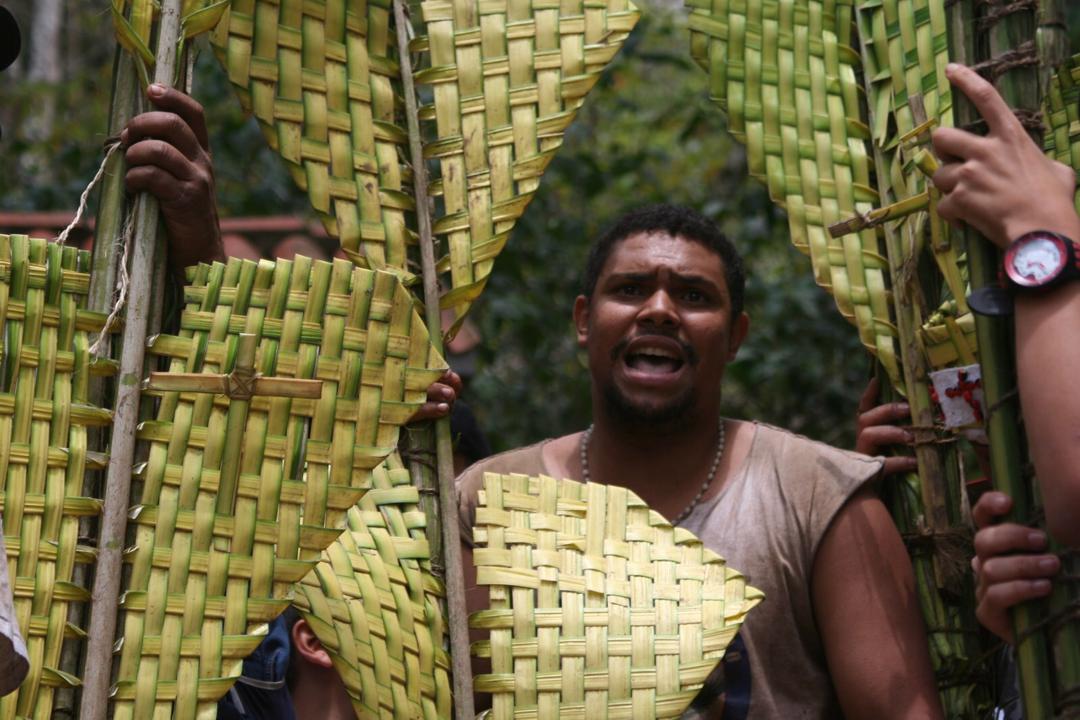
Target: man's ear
{"x":581,"y":319}
{"x":739,"y":329}
{"x":307,"y":646}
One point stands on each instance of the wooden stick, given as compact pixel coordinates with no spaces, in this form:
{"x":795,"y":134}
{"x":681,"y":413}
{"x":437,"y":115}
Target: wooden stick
{"x":106,"y":591}
{"x":455,"y":580}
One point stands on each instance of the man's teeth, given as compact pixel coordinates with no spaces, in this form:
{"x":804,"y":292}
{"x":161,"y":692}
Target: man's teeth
{"x":654,"y":360}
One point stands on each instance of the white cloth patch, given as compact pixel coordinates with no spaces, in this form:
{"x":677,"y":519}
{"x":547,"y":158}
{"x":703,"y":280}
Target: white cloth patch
{"x":960,"y":394}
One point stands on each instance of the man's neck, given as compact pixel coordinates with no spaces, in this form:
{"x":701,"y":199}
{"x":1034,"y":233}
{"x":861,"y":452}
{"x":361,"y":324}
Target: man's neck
{"x":320,"y":693}
{"x":665,"y":469}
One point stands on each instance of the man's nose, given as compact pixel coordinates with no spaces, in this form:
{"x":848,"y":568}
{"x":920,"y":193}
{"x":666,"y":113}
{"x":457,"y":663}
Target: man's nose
{"x":659,"y":309}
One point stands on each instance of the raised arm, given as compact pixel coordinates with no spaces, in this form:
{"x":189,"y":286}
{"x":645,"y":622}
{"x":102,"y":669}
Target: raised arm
{"x":1003,"y":185}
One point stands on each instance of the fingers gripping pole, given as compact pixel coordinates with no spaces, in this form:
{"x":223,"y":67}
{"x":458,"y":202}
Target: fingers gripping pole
{"x":106,"y":590}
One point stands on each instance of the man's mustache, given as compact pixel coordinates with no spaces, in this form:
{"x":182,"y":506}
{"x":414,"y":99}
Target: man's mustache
{"x":688,"y":352}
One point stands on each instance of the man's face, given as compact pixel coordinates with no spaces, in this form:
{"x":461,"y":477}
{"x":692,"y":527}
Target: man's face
{"x":658,"y":330}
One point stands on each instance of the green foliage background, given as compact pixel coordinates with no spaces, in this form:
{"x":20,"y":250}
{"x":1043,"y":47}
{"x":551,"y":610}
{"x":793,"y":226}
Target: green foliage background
{"x":648,"y":133}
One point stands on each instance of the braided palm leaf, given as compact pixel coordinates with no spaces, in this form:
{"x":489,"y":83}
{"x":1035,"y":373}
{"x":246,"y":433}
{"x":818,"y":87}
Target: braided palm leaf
{"x":375,"y":606}
{"x":903,"y":68}
{"x":239,"y":497}
{"x":45,"y":415}
{"x":1062,"y":115}
{"x":320,"y":77}
{"x":507,"y":80}
{"x":598,"y":606}
{"x":785,"y":75}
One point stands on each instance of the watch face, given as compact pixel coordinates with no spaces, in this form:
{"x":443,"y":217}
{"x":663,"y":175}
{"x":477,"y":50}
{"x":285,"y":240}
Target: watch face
{"x":1035,"y":260}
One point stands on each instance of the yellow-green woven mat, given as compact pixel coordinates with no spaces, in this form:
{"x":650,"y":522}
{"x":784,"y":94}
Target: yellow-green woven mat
{"x":1062,"y":116}
{"x":375,"y":606}
{"x":45,"y":369}
{"x":785,"y":75}
{"x":208,"y":566}
{"x":507,"y":79}
{"x":599,"y":608}
{"x":320,"y":78}
{"x":905,"y":50}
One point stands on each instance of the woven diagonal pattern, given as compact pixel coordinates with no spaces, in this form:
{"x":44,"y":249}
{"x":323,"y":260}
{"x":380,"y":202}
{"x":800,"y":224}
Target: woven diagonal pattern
{"x":784,"y":73}
{"x":507,"y":80}
{"x":320,"y":77}
{"x":1062,"y":113}
{"x":374,"y":604}
{"x":599,"y":608}
{"x":905,"y":50}
{"x":45,"y":414}
{"x":238,"y":499}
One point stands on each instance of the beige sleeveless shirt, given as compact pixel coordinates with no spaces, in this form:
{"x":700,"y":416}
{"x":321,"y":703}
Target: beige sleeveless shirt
{"x":767,"y":522}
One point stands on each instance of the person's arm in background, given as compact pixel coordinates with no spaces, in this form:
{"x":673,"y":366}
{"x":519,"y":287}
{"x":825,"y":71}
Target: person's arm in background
{"x":1004,"y":186}
{"x":168,"y":155}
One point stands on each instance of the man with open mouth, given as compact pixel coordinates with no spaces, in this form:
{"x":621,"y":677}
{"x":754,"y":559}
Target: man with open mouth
{"x":839,"y":633}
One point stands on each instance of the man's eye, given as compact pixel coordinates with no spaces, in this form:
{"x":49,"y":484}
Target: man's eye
{"x":629,"y":289}
{"x":695,"y":296}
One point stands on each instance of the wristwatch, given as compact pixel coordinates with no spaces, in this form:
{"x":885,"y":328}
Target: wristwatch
{"x":1041,"y":259}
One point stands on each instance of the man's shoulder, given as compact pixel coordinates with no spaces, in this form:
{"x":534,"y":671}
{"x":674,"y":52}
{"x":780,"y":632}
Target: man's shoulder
{"x":528,"y":460}
{"x":789,"y":446}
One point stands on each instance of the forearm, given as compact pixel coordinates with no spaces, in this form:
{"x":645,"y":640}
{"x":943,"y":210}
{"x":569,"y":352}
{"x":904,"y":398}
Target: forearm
{"x":1048,"y":371}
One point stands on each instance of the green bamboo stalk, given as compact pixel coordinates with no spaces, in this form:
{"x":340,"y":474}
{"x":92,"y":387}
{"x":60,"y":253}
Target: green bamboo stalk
{"x":1052,"y":39}
{"x":106,"y":590}
{"x":107,"y":230}
{"x":996,"y":352}
{"x":460,"y":662}
{"x":926,"y":507}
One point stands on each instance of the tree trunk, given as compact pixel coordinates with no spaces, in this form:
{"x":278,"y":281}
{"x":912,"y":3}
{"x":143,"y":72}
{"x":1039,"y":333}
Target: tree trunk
{"x":46,"y":68}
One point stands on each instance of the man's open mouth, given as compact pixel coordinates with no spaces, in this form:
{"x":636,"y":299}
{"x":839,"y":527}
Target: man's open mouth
{"x":654,"y":361}
{"x":655,"y":355}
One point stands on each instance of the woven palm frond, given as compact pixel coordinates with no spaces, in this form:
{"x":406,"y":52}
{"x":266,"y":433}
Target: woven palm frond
{"x":319,"y":77}
{"x":905,"y":49}
{"x":239,"y":497}
{"x":375,"y":605}
{"x":598,"y":606}
{"x":45,"y":415}
{"x":507,"y":80}
{"x":785,"y":75}
{"x":1062,"y":114}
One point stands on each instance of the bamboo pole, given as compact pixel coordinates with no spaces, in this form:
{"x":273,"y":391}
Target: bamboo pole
{"x":464,"y":708}
{"x":107,"y":232}
{"x":996,"y":357}
{"x":106,"y":590}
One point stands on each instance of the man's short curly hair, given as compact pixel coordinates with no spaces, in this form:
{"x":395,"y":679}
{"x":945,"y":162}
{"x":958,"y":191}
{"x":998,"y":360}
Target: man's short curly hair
{"x":676,"y":221}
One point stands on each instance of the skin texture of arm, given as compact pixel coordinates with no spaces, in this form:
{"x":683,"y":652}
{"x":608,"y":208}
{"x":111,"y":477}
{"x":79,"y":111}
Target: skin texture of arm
{"x":1004,"y":186}
{"x":864,"y":597}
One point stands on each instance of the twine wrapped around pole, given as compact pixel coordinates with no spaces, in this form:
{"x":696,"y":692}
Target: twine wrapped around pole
{"x":106,"y":591}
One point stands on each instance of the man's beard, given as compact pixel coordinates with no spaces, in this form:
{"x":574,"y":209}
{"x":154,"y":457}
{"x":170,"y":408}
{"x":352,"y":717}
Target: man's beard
{"x":674,"y":415}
